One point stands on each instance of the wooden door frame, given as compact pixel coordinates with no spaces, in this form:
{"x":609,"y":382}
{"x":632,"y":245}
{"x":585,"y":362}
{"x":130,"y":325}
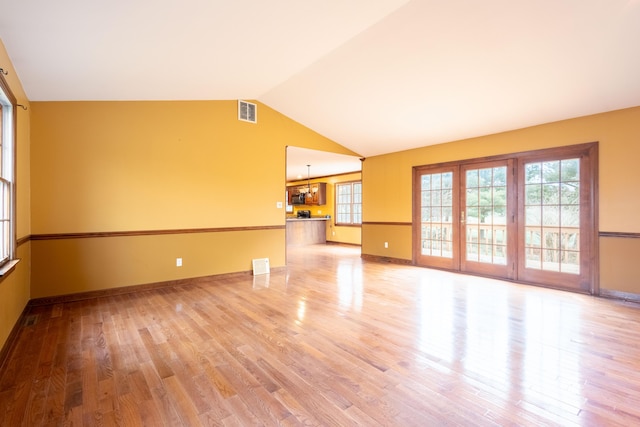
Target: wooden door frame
{"x":585,"y":282}
{"x":589,"y":283}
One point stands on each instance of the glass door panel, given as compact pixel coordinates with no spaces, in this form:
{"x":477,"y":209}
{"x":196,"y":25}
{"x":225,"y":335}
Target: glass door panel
{"x":556,"y":224}
{"x":530,"y":217}
{"x":552,"y":216}
{"x":487,"y":217}
{"x":437,"y":213}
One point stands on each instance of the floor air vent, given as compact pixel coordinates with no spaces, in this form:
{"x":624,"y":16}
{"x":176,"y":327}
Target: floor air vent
{"x":31,"y":320}
{"x":260,"y":266}
{"x":247,"y":112}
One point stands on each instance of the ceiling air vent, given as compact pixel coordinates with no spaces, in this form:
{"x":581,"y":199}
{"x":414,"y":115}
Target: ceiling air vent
{"x":247,"y":112}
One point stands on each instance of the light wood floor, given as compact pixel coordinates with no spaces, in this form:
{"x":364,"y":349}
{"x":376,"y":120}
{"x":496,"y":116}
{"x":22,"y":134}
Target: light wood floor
{"x":332,"y":341}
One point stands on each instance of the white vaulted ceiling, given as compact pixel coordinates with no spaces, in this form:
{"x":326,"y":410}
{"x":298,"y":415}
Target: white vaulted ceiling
{"x":374,"y":76}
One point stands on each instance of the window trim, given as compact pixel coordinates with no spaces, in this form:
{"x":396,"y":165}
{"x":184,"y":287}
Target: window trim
{"x":346,"y":224}
{"x":9,"y":264}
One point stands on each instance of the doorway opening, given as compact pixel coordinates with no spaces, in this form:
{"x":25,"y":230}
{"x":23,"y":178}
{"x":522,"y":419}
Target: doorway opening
{"x":323,"y":186}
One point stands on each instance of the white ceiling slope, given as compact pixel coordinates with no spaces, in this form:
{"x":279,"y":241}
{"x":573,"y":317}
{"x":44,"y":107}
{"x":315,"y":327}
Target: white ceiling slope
{"x":173,"y":50}
{"x":303,"y":163}
{"x":375,"y":76}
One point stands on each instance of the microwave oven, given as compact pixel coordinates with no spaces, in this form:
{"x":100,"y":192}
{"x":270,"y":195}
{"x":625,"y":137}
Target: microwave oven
{"x":298,"y":199}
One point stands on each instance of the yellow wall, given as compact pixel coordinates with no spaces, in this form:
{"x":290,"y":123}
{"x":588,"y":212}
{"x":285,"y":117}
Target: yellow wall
{"x":619,"y":269}
{"x":140,"y":166}
{"x":14,"y":287}
{"x":117,"y":166}
{"x":387,"y":180}
{"x":337,"y":234}
{"x":66,"y":266}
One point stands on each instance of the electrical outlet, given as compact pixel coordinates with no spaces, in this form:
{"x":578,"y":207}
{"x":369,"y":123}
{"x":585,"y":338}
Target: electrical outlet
{"x":386,"y":245}
{"x":178,"y":262}
{"x":278,"y":205}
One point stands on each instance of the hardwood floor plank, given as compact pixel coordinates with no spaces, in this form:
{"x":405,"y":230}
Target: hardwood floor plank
{"x":54,"y":405}
{"x":90,"y":387}
{"x":162,"y":400}
{"x":127,"y":412}
{"x":218,"y":408}
{"x":241,"y":415}
{"x":333,"y":340}
{"x":73,"y":417}
{"x":181,"y":402}
{"x":158,"y":356}
{"x":258,"y":374}
{"x":148,"y":413}
{"x":317,"y":405}
{"x":296,"y":408}
{"x":595,"y":413}
{"x":218,"y":380}
{"x":196,"y":395}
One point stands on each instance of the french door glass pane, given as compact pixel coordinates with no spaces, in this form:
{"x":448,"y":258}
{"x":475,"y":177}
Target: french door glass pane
{"x":552,"y":216}
{"x":486,"y":215}
{"x":436,"y":214}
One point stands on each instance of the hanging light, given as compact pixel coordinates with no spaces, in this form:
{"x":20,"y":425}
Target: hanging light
{"x":308,"y":195}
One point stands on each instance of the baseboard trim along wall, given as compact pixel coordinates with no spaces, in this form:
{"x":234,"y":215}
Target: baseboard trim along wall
{"x":13,"y":335}
{"x":378,"y":258}
{"x":617,"y":295}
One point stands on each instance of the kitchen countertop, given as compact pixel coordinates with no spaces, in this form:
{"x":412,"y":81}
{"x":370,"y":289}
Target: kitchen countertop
{"x":307,"y":231}
{"x":309,"y":219}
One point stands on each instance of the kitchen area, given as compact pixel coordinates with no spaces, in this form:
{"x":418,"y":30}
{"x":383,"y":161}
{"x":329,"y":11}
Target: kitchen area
{"x":307,"y":222}
{"x":312,"y":177}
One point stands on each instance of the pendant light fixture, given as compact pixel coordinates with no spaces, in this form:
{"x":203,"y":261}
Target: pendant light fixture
{"x":308,"y":195}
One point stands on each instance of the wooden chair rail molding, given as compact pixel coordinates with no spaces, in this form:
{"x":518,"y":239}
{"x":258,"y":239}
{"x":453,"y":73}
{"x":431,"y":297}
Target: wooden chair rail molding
{"x":61,"y":236}
{"x":619,"y":234}
{"x":27,"y":238}
{"x":386,"y":223}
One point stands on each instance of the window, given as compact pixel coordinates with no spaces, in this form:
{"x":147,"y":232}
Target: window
{"x":349,"y":203}
{"x":7,"y":140}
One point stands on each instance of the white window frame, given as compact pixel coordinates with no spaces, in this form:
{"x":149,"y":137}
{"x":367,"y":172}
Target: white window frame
{"x":352,"y":204}
{"x":7,"y":178}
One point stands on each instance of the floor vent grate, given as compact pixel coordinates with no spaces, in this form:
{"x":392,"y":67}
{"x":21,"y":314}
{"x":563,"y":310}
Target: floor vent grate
{"x":31,"y":320}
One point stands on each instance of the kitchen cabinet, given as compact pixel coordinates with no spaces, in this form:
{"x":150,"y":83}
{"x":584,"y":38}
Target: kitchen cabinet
{"x":308,"y":231}
{"x":318,"y":194}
